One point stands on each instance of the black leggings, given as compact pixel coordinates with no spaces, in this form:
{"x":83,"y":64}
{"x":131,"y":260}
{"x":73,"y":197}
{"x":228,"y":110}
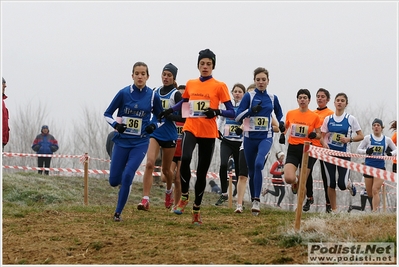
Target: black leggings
{"x":279,"y":190}
{"x":205,"y":152}
{"x":46,"y":161}
{"x":309,"y":183}
{"x":363,"y":201}
{"x":228,"y":148}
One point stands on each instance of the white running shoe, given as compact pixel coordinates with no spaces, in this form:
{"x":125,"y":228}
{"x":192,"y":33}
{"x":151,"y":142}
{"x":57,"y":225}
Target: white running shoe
{"x":255,"y":206}
{"x":239,"y":209}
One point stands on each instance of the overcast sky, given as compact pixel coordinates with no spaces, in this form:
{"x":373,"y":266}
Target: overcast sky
{"x":72,"y":55}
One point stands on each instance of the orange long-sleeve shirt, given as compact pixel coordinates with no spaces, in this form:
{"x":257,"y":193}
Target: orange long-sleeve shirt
{"x":202,"y":95}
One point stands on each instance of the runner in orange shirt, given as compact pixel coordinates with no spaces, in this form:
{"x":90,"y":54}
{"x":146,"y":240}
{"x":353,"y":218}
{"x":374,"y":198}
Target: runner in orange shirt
{"x":322,"y":98}
{"x":302,"y":125}
{"x":203,"y":96}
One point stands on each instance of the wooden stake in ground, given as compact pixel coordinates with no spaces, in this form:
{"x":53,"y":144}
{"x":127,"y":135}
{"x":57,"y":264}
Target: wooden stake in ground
{"x":230,"y":191}
{"x":302,"y":183}
{"x":384,"y":196}
{"x":86,"y":179}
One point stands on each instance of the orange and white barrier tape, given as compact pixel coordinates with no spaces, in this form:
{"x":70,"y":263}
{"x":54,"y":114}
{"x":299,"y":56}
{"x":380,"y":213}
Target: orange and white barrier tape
{"x":347,"y":154}
{"x":322,"y":154}
{"x":7,"y":154}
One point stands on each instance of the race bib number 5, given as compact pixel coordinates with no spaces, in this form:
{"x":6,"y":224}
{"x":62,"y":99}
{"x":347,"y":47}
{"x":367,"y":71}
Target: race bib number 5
{"x":335,"y":139}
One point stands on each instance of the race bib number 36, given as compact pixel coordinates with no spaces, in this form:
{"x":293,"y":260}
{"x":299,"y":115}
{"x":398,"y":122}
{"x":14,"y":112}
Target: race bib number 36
{"x":133,"y":125}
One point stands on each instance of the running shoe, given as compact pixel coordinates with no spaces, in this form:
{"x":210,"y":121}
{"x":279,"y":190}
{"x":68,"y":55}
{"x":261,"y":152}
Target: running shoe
{"x":221,"y":200}
{"x":255,"y":206}
{"x":239,"y":209}
{"x":169,"y":199}
{"x":294,"y":188}
{"x":179,"y":209}
{"x":172,"y":209}
{"x":196,"y":217}
{"x":328,"y":208}
{"x":306,"y":207}
{"x":117,"y":217}
{"x":264,"y":192}
{"x":352,"y":189}
{"x":144,"y":205}
{"x":350,"y":208}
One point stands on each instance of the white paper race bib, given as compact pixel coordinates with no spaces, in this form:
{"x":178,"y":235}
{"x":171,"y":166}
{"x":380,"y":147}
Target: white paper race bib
{"x":133,"y":125}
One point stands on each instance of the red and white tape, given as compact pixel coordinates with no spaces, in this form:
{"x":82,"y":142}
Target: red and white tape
{"x":321,"y":153}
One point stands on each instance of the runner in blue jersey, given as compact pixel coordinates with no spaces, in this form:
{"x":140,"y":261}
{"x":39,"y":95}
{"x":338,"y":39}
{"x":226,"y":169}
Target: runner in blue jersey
{"x":336,"y":131}
{"x":230,"y":145}
{"x":165,"y":136}
{"x":256,"y":108}
{"x":135,"y":104}
{"x":376,"y":144}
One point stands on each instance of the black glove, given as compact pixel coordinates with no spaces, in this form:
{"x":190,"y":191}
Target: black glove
{"x":370,"y":150}
{"x":238,"y":131}
{"x":388,"y":151}
{"x":53,"y":148}
{"x":150,"y":128}
{"x":211,"y":113}
{"x":164,"y":113}
{"x":281,"y":140}
{"x":312,"y":135}
{"x":120,"y":127}
{"x":257,"y":108}
{"x":36,"y":148}
{"x":281,"y":126}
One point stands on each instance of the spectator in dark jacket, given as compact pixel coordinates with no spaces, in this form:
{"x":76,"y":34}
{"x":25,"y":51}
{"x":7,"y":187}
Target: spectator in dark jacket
{"x":214,"y":187}
{"x":44,"y":143}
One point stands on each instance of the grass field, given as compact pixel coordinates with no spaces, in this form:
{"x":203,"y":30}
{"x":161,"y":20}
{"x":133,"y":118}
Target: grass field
{"x":45,"y":221}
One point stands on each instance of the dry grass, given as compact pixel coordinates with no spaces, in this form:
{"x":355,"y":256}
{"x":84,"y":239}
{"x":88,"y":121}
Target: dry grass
{"x":45,"y":222}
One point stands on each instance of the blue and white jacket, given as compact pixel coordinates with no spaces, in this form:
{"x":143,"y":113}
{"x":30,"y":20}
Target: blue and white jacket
{"x":135,"y":106}
{"x":261,"y":121}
